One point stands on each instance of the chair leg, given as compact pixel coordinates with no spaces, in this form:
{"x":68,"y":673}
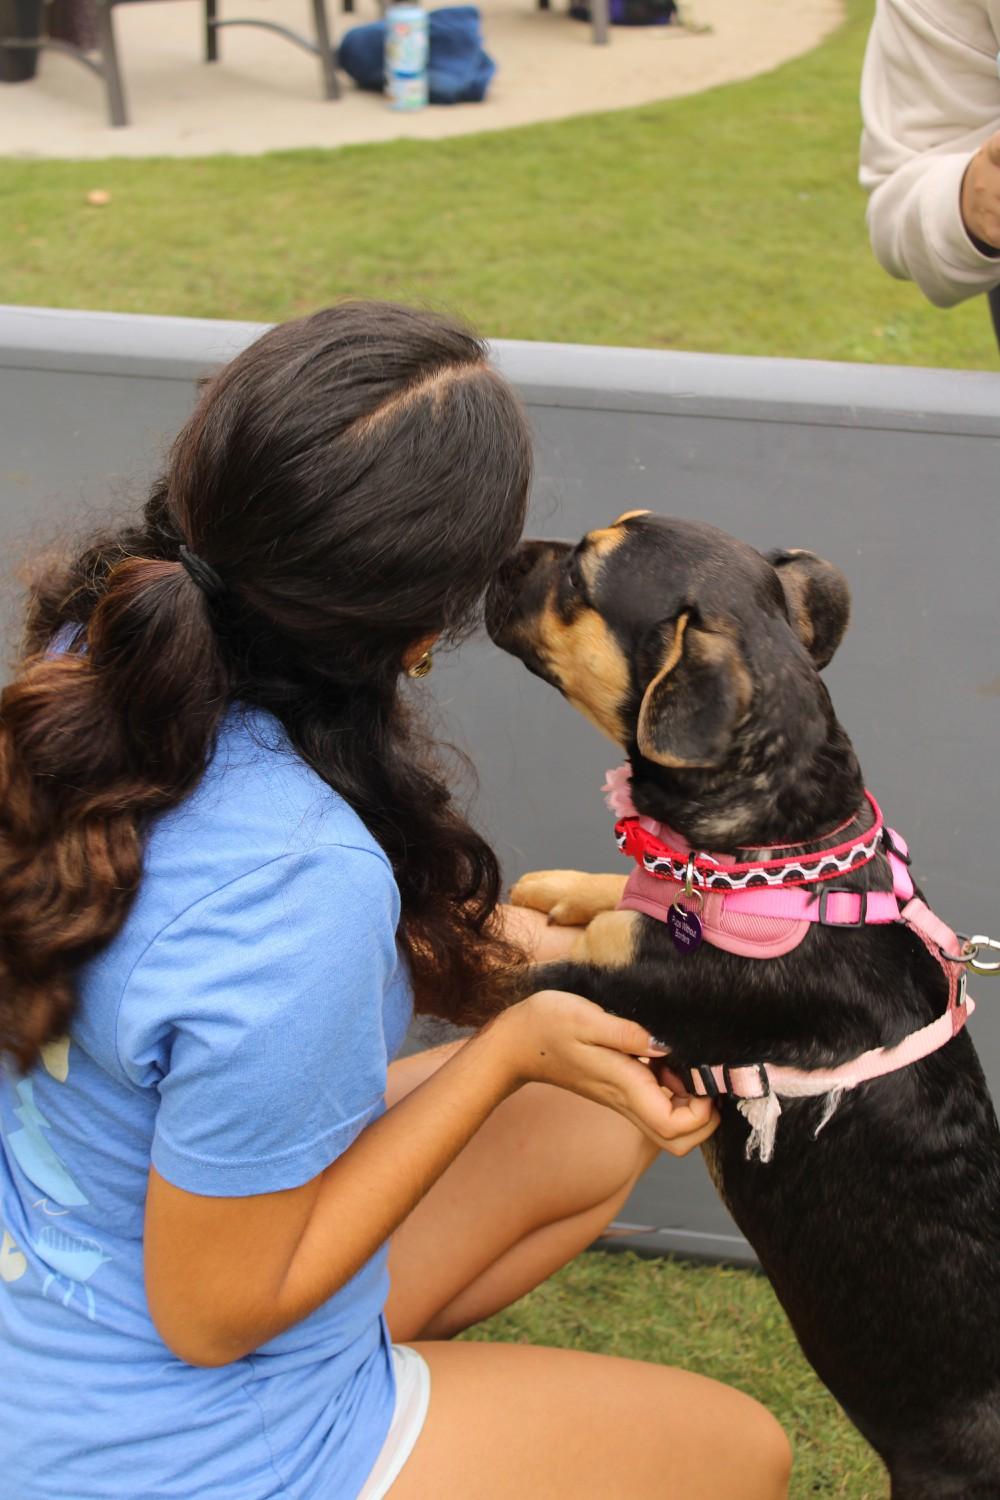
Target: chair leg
{"x":109,"y":64}
{"x":599,"y":21}
{"x":331,"y":88}
{"x":211,"y":34}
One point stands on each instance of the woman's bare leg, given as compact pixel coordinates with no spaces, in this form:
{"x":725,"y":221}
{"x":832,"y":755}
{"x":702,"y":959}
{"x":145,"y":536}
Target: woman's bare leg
{"x":536,"y":1185}
{"x":555,"y":1424}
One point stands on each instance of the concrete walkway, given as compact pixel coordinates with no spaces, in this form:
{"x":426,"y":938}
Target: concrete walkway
{"x":264,"y":94}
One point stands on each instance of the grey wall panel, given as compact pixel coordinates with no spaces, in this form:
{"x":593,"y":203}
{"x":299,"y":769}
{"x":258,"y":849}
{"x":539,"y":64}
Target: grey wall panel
{"x":892,"y":473}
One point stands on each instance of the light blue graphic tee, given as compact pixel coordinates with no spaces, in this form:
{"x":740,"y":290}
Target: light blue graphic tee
{"x":236,"y":1033}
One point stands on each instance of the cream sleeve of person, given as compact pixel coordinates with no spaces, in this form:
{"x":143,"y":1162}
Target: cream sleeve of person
{"x":930,"y":97}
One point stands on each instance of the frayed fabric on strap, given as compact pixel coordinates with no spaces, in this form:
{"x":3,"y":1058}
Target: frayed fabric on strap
{"x":762,"y":1116}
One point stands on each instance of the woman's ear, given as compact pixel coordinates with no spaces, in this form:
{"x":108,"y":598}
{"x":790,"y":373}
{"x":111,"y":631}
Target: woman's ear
{"x":695,"y":701}
{"x":818,"y":600}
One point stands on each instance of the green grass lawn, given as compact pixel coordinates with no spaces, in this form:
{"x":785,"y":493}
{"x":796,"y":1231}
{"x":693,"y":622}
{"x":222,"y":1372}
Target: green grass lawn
{"x":728,"y":221}
{"x":720,"y":1322}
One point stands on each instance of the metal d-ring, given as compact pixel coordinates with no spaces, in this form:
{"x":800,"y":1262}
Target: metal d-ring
{"x":690,"y":893}
{"x":689,"y":876}
{"x":980,"y":940}
{"x":695,"y":895}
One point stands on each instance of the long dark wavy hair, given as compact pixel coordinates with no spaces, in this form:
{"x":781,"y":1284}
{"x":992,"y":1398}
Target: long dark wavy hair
{"x":355,"y":478}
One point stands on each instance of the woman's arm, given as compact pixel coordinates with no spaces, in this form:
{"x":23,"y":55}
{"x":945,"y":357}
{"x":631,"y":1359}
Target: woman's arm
{"x":930,"y":97}
{"x":225,"y":1275}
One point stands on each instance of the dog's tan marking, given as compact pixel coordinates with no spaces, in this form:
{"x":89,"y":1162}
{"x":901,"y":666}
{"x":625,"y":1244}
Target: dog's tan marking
{"x":571,"y":898}
{"x":609,"y":941}
{"x":598,"y":544}
{"x":604,"y":540}
{"x":589,"y":666}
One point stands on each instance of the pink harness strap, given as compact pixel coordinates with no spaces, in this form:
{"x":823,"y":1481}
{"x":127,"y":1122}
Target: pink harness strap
{"x":760,"y":1087}
{"x":771,"y":922}
{"x":753,"y":931}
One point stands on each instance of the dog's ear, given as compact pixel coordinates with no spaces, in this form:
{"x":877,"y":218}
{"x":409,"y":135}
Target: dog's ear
{"x":818,"y":600}
{"x":695,"y":699}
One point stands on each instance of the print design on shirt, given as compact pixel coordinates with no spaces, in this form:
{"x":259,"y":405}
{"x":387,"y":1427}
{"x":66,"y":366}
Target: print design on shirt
{"x":55,"y":1057}
{"x":69,"y":1258}
{"x":72,"y":1260}
{"x":13,"y":1262}
{"x":35,"y":1156}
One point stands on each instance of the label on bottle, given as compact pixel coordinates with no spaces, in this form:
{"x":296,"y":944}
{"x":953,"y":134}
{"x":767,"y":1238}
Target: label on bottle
{"x":406,"y":48}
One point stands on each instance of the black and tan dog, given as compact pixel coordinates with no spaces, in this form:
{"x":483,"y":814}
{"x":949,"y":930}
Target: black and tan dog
{"x":881,"y":1234}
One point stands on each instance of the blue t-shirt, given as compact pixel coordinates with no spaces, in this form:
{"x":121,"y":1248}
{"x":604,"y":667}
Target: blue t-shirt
{"x":236,"y":1033}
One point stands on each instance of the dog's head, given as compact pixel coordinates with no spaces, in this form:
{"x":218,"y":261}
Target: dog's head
{"x":696,"y":653}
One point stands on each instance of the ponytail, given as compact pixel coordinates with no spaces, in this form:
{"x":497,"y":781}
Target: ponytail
{"x":357,"y":477}
{"x":94,"y":738}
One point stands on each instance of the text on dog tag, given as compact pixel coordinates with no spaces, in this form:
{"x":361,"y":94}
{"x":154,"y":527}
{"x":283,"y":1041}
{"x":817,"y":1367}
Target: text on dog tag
{"x":685,"y":929}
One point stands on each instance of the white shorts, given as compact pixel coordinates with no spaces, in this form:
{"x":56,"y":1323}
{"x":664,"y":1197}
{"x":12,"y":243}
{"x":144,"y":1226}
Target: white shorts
{"x":413,"y":1391}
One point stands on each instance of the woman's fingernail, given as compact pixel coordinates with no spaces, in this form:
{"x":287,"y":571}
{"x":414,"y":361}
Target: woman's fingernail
{"x":661,"y":1046}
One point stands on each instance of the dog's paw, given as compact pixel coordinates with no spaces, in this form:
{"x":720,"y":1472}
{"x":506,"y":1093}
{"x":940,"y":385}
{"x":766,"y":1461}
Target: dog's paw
{"x":569,"y":898}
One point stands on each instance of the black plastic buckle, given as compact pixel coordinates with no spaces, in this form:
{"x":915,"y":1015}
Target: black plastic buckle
{"x":838,"y":890}
{"x":893,"y":847}
{"x":705,"y":1074}
{"x":762,"y":1078}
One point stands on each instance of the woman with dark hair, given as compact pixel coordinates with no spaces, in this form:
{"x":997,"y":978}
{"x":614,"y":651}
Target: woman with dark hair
{"x":229,"y":866}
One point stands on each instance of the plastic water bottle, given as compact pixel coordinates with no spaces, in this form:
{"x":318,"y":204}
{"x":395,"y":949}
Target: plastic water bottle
{"x":406,"y":48}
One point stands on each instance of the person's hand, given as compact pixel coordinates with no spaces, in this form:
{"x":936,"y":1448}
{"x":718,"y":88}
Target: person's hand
{"x":981,"y":196}
{"x":554,"y":1037}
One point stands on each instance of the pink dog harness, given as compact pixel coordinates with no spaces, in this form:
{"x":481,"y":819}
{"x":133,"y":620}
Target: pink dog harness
{"x":758,"y":909}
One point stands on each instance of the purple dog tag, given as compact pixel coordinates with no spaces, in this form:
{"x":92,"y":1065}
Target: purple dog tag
{"x":685,"y":929}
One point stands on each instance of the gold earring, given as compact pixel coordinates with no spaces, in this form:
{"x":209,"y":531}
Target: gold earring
{"x":422,"y":667}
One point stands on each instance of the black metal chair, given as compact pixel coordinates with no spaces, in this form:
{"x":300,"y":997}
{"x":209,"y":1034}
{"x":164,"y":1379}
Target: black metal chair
{"x":106,"y":64}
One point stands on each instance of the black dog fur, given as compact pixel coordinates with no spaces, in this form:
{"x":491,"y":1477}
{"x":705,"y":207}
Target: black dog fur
{"x":881,"y":1235}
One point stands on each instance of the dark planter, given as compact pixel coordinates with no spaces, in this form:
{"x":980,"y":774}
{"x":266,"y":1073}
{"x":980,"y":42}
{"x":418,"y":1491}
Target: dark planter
{"x":19,"y":18}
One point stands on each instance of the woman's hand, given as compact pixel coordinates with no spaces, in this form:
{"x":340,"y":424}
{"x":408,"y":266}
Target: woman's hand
{"x":554,"y":1037}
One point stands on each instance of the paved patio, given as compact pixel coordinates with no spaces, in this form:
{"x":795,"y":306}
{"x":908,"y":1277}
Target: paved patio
{"x":265,"y":95}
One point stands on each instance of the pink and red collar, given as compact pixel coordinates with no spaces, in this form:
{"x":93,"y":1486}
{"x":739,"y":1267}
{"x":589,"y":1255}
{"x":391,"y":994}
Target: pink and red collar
{"x":666,"y":854}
